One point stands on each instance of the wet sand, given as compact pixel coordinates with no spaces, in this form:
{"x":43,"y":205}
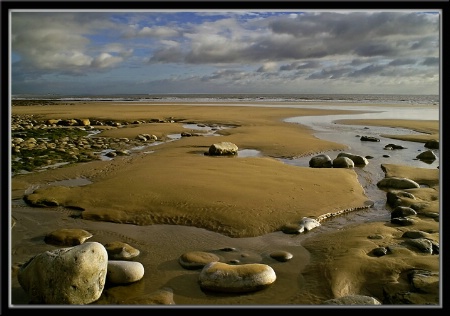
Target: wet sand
{"x":175,"y":199}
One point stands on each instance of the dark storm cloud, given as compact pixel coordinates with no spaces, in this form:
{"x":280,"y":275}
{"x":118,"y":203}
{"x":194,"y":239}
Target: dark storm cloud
{"x":330,"y":73}
{"x":300,"y":65}
{"x":431,"y":61}
{"x":402,"y":62}
{"x":369,"y":70}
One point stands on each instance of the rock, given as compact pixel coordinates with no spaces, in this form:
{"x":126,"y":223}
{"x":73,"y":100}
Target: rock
{"x":222,"y":277}
{"x":402,"y":211}
{"x":196,"y":259}
{"x":67,"y":237}
{"x":292,"y":228}
{"x":414,"y":234}
{"x":393,"y":146}
{"x":308,"y":224}
{"x":369,"y":139}
{"x":118,"y":250}
{"x":420,"y":287}
{"x":343,"y":162}
{"x":397,"y":183}
{"x":357,"y":159}
{"x":223,"y":149}
{"x":432,"y":144}
{"x":424,"y":281}
{"x":394,"y":198}
{"x":84,"y":122}
{"x":422,"y":244}
{"x":122,"y":272}
{"x":52,"y":121}
{"x":320,"y":161}
{"x":74,"y":275}
{"x":402,"y":221}
{"x":281,"y":255}
{"x":380,"y":251}
{"x":353,"y":300}
{"x":427,"y":155}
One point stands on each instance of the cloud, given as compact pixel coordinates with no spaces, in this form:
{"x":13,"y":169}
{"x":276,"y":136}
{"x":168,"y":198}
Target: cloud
{"x":59,"y":42}
{"x":268,"y":67}
{"x":237,"y":50}
{"x":105,"y":60}
{"x":157,"y":32}
{"x":431,"y":61}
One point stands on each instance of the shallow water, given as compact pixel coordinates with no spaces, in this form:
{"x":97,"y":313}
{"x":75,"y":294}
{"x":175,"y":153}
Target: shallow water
{"x":326,"y":128}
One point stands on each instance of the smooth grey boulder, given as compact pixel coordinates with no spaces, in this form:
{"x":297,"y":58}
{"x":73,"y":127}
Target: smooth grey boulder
{"x":74,"y":275}
{"x":343,"y":162}
{"x":223,"y":277}
{"x":357,"y":159}
{"x":320,"y":161}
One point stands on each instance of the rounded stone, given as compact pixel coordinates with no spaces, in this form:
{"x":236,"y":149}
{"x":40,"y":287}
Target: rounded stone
{"x":118,"y":250}
{"x":122,"y":272}
{"x":281,"y":255}
{"x":196,"y":259}
{"x":222,"y":277}
{"x":67,"y":237}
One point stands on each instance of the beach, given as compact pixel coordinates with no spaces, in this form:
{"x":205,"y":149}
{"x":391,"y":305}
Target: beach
{"x":171,"y":198}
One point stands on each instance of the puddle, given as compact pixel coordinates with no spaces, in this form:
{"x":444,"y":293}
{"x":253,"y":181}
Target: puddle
{"x":138,"y":148}
{"x":244,"y":153}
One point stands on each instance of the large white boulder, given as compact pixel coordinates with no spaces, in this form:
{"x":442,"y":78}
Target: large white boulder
{"x":74,"y":275}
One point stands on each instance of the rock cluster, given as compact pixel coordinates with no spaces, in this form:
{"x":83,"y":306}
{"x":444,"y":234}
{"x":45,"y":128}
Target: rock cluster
{"x":38,"y":143}
{"x":343,"y":160}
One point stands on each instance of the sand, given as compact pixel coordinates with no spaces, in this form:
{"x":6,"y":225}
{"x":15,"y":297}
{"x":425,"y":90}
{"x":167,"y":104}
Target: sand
{"x":175,"y":199}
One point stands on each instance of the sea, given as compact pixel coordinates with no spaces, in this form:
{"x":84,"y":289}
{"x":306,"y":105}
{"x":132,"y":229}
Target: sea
{"x":243,"y":98}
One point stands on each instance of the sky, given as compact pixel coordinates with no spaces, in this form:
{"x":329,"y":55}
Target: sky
{"x":107,"y":52}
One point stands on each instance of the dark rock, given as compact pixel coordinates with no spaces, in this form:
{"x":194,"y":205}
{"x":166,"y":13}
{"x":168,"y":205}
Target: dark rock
{"x":369,"y":139}
{"x":402,"y":211}
{"x":380,"y":251}
{"x":402,"y":221}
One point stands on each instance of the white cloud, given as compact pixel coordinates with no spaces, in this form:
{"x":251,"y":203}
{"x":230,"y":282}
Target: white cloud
{"x":105,"y":60}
